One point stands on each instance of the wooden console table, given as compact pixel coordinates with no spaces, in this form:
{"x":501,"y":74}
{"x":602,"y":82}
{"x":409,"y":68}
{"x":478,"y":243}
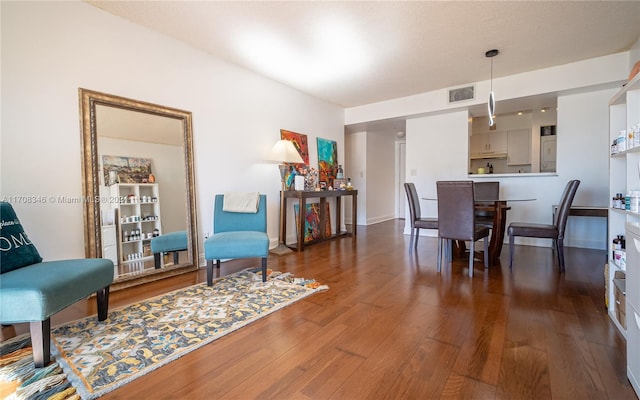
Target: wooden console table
{"x":302,"y":197}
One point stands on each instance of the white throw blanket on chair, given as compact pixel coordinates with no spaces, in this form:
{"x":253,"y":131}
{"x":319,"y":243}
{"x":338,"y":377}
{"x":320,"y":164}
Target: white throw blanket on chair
{"x":241,"y":202}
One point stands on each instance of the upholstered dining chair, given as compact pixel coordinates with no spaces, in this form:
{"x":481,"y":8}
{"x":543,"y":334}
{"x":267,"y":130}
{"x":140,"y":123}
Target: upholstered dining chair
{"x":417,"y":222}
{"x":237,"y":234}
{"x":486,"y":191}
{"x":457,"y":219}
{"x":553,"y":231}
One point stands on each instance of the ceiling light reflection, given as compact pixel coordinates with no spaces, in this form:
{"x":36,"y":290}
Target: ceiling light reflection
{"x":333,"y":54}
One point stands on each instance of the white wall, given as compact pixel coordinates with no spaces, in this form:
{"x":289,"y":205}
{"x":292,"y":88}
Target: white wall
{"x":381,"y":172}
{"x":371,"y":164}
{"x":355,"y":168}
{"x":436,"y":150}
{"x":50,"y":49}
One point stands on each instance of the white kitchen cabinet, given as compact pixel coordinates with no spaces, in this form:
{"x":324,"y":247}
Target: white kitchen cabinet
{"x":519,"y":147}
{"x":548,"y":157}
{"x":486,"y":144}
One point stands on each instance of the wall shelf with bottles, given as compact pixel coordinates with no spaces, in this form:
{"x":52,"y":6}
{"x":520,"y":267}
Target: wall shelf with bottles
{"x":624,"y":181}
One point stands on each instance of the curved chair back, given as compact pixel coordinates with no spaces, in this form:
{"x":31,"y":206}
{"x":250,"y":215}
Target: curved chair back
{"x":456,"y":210}
{"x":486,"y":190}
{"x":565,"y":206}
{"x":224,"y":221}
{"x":414,"y":202}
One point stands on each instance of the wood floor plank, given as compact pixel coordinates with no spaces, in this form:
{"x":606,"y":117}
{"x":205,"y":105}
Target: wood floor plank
{"x":459,"y":387}
{"x":524,"y":374}
{"x":608,"y":361}
{"x":425,"y":374}
{"x":570,"y":369}
{"x":481,"y":352}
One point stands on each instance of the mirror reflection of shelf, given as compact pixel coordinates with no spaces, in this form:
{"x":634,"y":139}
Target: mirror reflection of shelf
{"x":139,"y":210}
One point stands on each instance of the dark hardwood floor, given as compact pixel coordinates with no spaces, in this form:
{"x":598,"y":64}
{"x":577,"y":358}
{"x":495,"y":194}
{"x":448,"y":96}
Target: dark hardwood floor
{"x":391,"y":327}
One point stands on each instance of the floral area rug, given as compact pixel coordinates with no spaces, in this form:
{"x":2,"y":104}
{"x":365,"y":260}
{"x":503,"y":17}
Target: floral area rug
{"x":91,"y":358}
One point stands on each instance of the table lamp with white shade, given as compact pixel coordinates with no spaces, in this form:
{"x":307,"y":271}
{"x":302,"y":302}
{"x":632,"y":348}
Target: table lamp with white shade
{"x":283,"y":152}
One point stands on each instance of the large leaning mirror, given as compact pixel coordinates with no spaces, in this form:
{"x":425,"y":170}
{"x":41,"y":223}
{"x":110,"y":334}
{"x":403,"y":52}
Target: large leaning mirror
{"x":138,"y":174}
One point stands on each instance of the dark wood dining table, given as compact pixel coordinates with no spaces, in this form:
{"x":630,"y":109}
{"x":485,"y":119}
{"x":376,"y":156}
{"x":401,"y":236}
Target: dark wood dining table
{"x":500,"y":208}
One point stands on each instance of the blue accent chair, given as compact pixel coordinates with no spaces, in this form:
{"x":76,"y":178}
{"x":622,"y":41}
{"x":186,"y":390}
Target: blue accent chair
{"x":34,"y":291}
{"x":169,"y":242}
{"x":237,"y":235}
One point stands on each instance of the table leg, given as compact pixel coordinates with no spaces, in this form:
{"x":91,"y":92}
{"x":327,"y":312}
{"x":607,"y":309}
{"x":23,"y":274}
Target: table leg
{"x":497,"y":234}
{"x":323,"y":218}
{"x":338,"y":215}
{"x":354,"y":216}
{"x":283,"y":218}
{"x":302,"y":211}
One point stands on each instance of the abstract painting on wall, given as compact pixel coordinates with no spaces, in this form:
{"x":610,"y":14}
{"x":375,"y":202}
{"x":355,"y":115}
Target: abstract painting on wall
{"x":301,"y":144}
{"x":312,"y":221}
{"x":327,"y":160}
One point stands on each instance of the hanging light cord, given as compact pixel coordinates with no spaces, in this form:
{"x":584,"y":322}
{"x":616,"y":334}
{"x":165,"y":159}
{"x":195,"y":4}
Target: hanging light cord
{"x":491,"y":82}
{"x":491,"y":105}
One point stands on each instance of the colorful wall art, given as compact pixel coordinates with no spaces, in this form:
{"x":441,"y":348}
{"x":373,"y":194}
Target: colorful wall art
{"x":300,"y":142}
{"x":312,"y":221}
{"x":327,"y":160}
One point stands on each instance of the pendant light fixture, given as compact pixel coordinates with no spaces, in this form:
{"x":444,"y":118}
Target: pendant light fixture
{"x":491,"y":104}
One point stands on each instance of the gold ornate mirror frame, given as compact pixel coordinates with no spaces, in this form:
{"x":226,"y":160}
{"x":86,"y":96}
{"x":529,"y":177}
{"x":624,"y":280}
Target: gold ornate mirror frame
{"x":90,"y":183}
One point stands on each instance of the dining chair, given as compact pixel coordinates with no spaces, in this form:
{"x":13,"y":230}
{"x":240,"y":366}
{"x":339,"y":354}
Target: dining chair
{"x":457,"y":219}
{"x":553,"y":231}
{"x":417,"y":222}
{"x":486,"y":191}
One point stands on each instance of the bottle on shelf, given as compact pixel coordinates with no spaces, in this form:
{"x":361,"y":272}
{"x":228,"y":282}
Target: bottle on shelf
{"x":340,"y":173}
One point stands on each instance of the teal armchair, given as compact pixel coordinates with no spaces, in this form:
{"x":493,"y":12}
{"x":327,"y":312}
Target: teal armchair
{"x":237,"y":235}
{"x":32,"y":290}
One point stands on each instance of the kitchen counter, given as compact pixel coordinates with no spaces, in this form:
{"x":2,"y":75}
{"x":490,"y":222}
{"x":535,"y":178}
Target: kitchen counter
{"x":522,"y":175}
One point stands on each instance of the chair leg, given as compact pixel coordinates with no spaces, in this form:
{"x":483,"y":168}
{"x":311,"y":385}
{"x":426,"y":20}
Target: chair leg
{"x":264,"y":269}
{"x":209,"y":272}
{"x":156,"y":260}
{"x":411,"y":240}
{"x":440,"y":244}
{"x":511,"y":248}
{"x":415,"y":240}
{"x":175,"y":258}
{"x":560,"y":250}
{"x":102,"y":300}
{"x":471,"y":257}
{"x":40,"y":342}
{"x":486,"y":252}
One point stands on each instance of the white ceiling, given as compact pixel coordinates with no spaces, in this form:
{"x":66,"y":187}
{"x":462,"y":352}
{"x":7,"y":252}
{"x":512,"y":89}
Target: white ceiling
{"x":352,"y":53}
